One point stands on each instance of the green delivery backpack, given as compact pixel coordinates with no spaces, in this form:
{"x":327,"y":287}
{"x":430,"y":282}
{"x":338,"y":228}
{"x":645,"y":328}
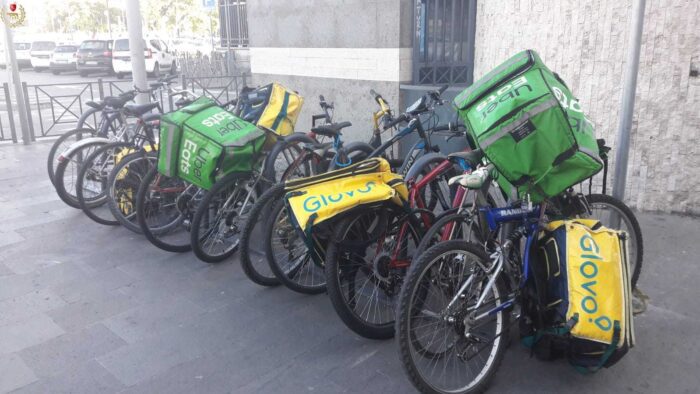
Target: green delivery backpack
{"x":202,"y":142}
{"x":530,"y":126}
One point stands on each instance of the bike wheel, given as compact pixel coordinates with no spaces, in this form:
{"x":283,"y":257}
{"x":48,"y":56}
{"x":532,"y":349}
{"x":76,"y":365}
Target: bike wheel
{"x":283,"y":154}
{"x":217,"y":223}
{"x":69,"y":165}
{"x":365,"y":265}
{"x":288,"y":256}
{"x":164,"y":208}
{"x":614,"y":214}
{"x":448,"y":226}
{"x":61,"y":144}
{"x":444,"y":344}
{"x":123,"y":184}
{"x":91,"y":186}
{"x":253,"y":260}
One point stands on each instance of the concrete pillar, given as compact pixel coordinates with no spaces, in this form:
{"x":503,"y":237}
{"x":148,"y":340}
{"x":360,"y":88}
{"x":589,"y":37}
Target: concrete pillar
{"x":629,"y":88}
{"x":13,"y":71}
{"x":138,"y":62}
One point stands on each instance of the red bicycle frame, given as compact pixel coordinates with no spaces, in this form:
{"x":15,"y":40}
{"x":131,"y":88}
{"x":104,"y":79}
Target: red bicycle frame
{"x":416,"y":201}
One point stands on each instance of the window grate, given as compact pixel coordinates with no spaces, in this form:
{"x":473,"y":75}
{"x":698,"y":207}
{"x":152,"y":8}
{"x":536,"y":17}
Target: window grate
{"x":233,"y":22}
{"x":443,"y":48}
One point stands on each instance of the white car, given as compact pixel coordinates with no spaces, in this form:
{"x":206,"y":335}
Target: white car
{"x":40,"y":54}
{"x":63,"y":59}
{"x":22,"y":53}
{"x":158,"y":56}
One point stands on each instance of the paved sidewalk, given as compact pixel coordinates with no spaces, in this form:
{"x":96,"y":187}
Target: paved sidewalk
{"x":86,"y":308}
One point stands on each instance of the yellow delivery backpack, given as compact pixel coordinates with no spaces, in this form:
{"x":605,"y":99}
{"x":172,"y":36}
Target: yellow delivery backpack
{"x":282,"y":108}
{"x":582,"y":294}
{"x":315,"y":200}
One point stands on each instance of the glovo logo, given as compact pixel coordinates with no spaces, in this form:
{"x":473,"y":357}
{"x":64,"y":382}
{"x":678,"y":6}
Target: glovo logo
{"x":316,"y":202}
{"x":589,"y":270}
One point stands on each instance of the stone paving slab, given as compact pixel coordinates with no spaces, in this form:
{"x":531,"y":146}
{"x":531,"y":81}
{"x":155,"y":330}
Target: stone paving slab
{"x":86,"y":308}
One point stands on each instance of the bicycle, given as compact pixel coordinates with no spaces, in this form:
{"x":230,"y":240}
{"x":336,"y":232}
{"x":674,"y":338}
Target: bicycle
{"x":217,"y":224}
{"x":458,"y":297}
{"x":286,"y":253}
{"x":109,"y":122}
{"x":93,"y":189}
{"x":171,"y":229}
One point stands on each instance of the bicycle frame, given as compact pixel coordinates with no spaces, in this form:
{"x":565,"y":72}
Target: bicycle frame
{"x":421,"y":146}
{"x":415,"y":201}
{"x":528,"y":218}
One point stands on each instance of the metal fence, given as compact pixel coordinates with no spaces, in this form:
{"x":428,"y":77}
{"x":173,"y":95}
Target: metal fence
{"x":221,"y":88}
{"x":53,"y":109}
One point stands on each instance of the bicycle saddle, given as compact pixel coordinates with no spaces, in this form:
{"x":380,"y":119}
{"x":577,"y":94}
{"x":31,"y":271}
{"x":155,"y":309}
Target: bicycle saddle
{"x":331,"y":130}
{"x":114,"y":102}
{"x":95,"y":104}
{"x":473,"y":157}
{"x":140,"y":109}
{"x":150,"y":117}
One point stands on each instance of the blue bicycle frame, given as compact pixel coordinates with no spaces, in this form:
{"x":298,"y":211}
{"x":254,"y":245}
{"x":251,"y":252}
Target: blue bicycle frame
{"x":421,"y":147}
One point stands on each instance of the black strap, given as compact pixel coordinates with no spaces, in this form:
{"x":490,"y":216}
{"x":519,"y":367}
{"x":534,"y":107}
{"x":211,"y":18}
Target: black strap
{"x":565,"y":155}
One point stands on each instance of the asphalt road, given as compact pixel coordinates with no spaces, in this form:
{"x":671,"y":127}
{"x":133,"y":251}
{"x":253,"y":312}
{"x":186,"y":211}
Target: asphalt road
{"x":86,"y":308}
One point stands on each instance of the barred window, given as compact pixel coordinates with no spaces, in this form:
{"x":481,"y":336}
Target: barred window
{"x":233,"y":22}
{"x":443,"y":47}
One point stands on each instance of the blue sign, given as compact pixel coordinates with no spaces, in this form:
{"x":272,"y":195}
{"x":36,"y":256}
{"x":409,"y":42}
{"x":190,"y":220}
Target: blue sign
{"x":209,"y":3}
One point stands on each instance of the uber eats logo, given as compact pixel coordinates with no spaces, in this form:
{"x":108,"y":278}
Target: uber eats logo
{"x":316,"y":202}
{"x":224,"y":122}
{"x":507,"y":92}
{"x":589,"y":271}
{"x":192,"y":158}
{"x":578,"y":121}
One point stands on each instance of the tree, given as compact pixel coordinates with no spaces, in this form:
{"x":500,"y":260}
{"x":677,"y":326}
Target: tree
{"x":74,"y":15}
{"x":181,"y":17}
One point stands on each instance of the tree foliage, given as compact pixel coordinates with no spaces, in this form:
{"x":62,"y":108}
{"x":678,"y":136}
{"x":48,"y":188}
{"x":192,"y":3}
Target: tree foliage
{"x":71,"y":16}
{"x":171,"y":17}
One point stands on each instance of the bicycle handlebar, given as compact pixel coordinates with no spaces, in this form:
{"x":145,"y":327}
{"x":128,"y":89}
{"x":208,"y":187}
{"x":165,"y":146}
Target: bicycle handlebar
{"x":400,"y":119}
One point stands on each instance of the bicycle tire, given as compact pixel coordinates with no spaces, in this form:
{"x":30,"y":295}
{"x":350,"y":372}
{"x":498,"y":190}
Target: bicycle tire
{"x":199,"y":238}
{"x":632,"y":224}
{"x":278,"y":215}
{"x":74,"y":159}
{"x":94,"y":204}
{"x":61,"y":144}
{"x":370,"y":316}
{"x":405,"y":311}
{"x":152,"y":233}
{"x":447,"y":217}
{"x":258,"y":215}
{"x":270,"y":173}
{"x":118,"y":198}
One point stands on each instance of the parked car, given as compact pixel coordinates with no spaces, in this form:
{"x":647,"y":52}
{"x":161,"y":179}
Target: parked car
{"x":158,"y":56}
{"x":22,"y":53}
{"x":94,"y":56}
{"x":40,"y":54}
{"x":63,"y":58}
